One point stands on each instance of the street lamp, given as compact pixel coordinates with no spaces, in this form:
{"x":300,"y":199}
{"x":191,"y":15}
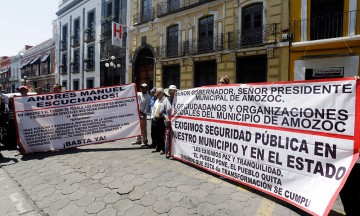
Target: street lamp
{"x":113,"y":63}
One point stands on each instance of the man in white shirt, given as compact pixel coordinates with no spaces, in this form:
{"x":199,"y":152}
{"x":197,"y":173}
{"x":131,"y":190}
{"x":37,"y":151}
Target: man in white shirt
{"x":144,"y":108}
{"x":157,"y":123}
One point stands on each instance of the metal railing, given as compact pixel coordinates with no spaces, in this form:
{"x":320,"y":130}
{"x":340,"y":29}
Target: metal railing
{"x":172,"y":6}
{"x":192,"y":47}
{"x":63,"y":45}
{"x":145,"y":15}
{"x":325,"y":27}
{"x":89,"y":35}
{"x":255,"y":37}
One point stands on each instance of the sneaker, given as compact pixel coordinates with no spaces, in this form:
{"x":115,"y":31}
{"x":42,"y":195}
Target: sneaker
{"x":162,"y":152}
{"x":144,"y":145}
{"x":155,"y":151}
{"x":136,"y":143}
{"x":17,"y":154}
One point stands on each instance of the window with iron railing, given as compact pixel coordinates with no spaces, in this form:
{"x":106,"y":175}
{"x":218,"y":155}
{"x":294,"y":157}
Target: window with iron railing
{"x":205,"y":41}
{"x":172,"y":41}
{"x":252,"y":25}
{"x":76,"y":36}
{"x":64,"y":37}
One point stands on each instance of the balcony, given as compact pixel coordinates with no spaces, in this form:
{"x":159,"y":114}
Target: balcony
{"x":89,"y":35}
{"x":89,"y":65}
{"x":63,"y":45}
{"x":192,"y":47}
{"x":173,"y":6}
{"x":327,"y":27}
{"x":250,"y":38}
{"x":63,"y":70}
{"x":75,"y":41}
{"x":75,"y":67}
{"x":144,"y":16}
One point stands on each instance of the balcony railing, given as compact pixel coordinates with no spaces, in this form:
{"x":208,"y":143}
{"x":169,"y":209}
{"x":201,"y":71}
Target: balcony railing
{"x":74,"y":67}
{"x":63,"y":45}
{"x":75,"y":41}
{"x":255,"y":37}
{"x":172,"y":6}
{"x":89,"y":35}
{"x":145,"y":15}
{"x":325,"y":27}
{"x":192,"y":47}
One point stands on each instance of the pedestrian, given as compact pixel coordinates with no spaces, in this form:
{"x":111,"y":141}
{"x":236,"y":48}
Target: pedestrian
{"x":57,"y":88}
{"x":168,"y":107}
{"x":39,"y":91}
{"x":153,"y":98}
{"x":158,"y":124}
{"x":23,"y":90}
{"x":144,"y":108}
{"x":223,"y":80}
{"x":350,"y":193}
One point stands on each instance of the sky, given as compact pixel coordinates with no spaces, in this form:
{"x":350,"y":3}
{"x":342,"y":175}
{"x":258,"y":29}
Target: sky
{"x":25,"y":22}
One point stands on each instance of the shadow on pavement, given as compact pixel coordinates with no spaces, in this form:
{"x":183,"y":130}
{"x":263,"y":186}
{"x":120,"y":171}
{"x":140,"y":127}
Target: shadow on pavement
{"x":4,"y":161}
{"x":42,"y":155}
{"x":259,"y":193}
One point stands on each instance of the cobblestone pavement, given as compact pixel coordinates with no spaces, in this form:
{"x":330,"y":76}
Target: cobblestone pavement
{"x":120,"y":179}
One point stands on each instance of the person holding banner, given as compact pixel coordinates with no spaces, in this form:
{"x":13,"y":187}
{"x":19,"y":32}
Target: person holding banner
{"x":350,"y":193}
{"x":168,"y":107}
{"x":57,"y":88}
{"x":224,"y":80}
{"x":157,"y":123}
{"x":144,"y":108}
{"x":23,"y":90}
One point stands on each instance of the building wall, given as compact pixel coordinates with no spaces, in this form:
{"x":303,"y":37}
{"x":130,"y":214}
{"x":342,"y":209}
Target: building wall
{"x":5,"y":70}
{"x":44,"y":80}
{"x":68,"y":11}
{"x":15,"y":77}
{"x":333,"y":52}
{"x":227,"y":15}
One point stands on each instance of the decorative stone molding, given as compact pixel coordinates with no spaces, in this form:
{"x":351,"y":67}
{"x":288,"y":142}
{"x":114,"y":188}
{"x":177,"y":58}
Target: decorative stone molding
{"x":218,"y":58}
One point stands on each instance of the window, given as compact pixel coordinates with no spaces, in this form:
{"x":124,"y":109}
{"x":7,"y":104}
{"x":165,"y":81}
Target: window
{"x":75,"y":84}
{"x":64,"y":84}
{"x":90,"y":83}
{"x":171,"y":76}
{"x":90,"y":32}
{"x":206,"y":34}
{"x":172,"y":41}
{"x":326,"y":19}
{"x":90,"y":63}
{"x":205,"y":73}
{"x":76,"y":36}
{"x":251,"y":69}
{"x":173,"y":5}
{"x":76,"y":62}
{"x":64,"y":37}
{"x":123,"y":11}
{"x":109,"y":9}
{"x":251,"y":25}
{"x":63,"y":66}
{"x":146,"y":11}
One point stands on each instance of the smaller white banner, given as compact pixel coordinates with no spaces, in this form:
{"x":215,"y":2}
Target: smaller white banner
{"x":117,"y":34}
{"x":69,"y":119}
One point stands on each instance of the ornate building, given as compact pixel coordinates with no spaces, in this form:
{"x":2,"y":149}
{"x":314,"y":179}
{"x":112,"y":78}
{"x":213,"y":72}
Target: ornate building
{"x":193,"y":43}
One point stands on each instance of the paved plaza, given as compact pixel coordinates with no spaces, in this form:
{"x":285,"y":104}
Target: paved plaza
{"x":121,"y":179}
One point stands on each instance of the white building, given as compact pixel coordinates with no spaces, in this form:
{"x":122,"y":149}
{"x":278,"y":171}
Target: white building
{"x":77,"y":45}
{"x":15,"y":75}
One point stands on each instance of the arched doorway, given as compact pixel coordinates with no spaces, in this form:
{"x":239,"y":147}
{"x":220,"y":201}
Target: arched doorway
{"x":144,"y":68}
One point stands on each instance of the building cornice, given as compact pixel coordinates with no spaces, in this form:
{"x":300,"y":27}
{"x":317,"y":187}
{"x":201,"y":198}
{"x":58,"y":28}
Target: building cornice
{"x":67,"y":7}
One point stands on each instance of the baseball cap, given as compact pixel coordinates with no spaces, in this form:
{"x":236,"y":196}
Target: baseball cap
{"x":144,"y":85}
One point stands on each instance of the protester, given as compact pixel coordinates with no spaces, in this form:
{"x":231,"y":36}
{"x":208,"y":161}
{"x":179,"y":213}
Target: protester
{"x":168,"y":108}
{"x":57,"y":88}
{"x":23,"y":90}
{"x":153,"y":98}
{"x":157,"y":124}
{"x":10,"y":138}
{"x":224,"y":80}
{"x":144,"y":108}
{"x":350,"y":193}
{"x":39,"y":91}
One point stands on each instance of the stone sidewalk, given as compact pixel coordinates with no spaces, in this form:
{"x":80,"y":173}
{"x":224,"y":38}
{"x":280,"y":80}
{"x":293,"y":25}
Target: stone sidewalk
{"x":120,"y":179}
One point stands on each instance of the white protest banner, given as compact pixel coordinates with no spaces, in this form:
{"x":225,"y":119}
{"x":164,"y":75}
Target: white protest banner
{"x":70,"y":119}
{"x":296,"y":141}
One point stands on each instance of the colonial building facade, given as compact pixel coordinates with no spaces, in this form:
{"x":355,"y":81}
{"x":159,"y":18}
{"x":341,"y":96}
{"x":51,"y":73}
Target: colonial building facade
{"x":5,"y":71}
{"x":38,"y":66}
{"x":78,"y":44}
{"x":326,"y":39}
{"x":193,"y":43}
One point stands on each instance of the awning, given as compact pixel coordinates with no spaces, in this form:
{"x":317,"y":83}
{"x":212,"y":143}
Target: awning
{"x":25,"y":64}
{"x":45,"y":57}
{"x":35,"y":60}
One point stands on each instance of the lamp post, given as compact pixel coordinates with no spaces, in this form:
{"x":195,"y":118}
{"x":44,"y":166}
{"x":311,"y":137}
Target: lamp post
{"x":113,"y":63}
